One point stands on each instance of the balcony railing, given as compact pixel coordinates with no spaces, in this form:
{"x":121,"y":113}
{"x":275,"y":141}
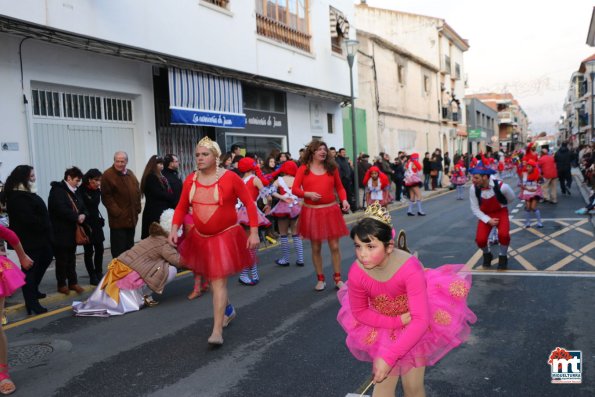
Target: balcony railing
{"x":220,"y":3}
{"x":275,"y":30}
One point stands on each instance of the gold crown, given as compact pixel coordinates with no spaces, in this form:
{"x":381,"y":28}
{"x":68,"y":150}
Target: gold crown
{"x":378,"y":212}
{"x":210,"y":144}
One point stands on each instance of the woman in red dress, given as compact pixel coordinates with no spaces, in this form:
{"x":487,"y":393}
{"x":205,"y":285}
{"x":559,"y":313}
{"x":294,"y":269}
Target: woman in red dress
{"x":216,"y":246}
{"x":316,"y":182}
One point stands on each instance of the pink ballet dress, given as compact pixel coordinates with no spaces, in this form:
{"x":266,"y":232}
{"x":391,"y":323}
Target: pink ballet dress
{"x":11,"y":277}
{"x":371,"y":313}
{"x":530,"y":190}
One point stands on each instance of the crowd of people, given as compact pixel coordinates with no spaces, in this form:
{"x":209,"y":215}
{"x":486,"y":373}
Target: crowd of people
{"x":211,"y":224}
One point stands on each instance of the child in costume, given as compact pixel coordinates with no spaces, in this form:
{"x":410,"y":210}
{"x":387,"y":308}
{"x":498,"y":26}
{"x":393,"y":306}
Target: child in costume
{"x":252,"y":177}
{"x":377,"y":186}
{"x":413,"y":183}
{"x":11,"y":279}
{"x":287,"y":212}
{"x":459,"y":178}
{"x":397,"y":314}
{"x":531,"y":192}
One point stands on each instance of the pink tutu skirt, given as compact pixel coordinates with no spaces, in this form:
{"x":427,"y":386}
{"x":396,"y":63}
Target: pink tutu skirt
{"x":320,"y":224}
{"x":458,"y":180}
{"x":216,"y":256}
{"x":528,"y":195}
{"x":449,"y":322}
{"x":413,"y":180}
{"x":243,"y":218}
{"x":11,"y":277}
{"x":283,"y":210}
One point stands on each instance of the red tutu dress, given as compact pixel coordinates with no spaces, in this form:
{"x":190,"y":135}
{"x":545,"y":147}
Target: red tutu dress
{"x":11,"y":277}
{"x":216,"y":244}
{"x":320,"y":220}
{"x":242,"y":211}
{"x":412,"y":170}
{"x":371,"y":313}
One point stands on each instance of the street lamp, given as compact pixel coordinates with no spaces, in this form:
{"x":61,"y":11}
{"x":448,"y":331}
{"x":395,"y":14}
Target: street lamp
{"x":351,"y":51}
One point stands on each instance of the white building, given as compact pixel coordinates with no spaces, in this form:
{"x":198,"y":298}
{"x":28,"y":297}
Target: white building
{"x":411,"y":81}
{"x":82,"y":79}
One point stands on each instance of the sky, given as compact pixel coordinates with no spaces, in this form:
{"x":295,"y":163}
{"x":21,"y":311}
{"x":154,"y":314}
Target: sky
{"x":529,"y":48}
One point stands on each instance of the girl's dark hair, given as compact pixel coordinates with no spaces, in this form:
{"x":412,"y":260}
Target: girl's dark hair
{"x":18,"y":176}
{"x":368,"y":227}
{"x":93,"y":173}
{"x":151,"y":168}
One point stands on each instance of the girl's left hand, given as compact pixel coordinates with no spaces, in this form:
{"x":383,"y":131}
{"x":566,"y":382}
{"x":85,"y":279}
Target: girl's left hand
{"x":253,"y":241}
{"x":26,"y":262}
{"x":380,"y":370}
{"x":345,"y":206}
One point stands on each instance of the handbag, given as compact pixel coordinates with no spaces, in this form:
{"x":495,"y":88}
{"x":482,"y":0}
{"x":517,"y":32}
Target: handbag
{"x":434,"y":173}
{"x":81,"y":236}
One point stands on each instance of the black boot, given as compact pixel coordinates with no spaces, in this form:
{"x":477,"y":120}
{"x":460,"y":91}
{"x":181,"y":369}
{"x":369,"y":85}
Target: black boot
{"x":487,"y":259}
{"x":502,"y":262}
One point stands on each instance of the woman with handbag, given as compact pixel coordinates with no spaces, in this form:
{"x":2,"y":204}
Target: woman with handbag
{"x":90,"y":192}
{"x":131,"y":277}
{"x":159,"y":196}
{"x":67,"y":214}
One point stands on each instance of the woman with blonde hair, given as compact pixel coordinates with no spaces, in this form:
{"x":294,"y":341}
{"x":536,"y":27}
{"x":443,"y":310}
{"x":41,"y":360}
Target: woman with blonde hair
{"x":216,"y":245}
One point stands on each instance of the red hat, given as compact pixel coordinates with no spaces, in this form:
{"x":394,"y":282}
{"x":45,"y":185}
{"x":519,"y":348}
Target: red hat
{"x":288,"y":168}
{"x":246,"y":164}
{"x":532,"y":163}
{"x":414,"y":156}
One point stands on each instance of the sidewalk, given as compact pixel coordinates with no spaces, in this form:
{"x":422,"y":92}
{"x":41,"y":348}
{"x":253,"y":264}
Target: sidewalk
{"x":15,"y":305}
{"x":584,"y":189}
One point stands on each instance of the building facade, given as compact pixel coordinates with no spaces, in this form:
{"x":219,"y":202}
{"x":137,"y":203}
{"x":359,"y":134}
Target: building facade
{"x":482,"y":126}
{"x":411,"y":85}
{"x":84,"y":79}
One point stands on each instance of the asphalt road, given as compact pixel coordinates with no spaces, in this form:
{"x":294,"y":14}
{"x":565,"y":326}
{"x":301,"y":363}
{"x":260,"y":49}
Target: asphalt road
{"x":286,"y":341}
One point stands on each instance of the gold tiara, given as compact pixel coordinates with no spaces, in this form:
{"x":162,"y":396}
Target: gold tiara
{"x":210,"y":144}
{"x":378,"y":212}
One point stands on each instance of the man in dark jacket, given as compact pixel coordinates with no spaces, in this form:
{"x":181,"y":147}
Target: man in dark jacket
{"x":362,"y":167}
{"x":120,"y":193}
{"x":398,"y":177}
{"x":346,"y":174}
{"x":426,"y":169}
{"x":563,"y":161}
{"x":66,"y":209}
{"x":171,"y":164}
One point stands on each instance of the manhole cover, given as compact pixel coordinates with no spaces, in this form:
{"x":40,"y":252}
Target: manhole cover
{"x":27,"y":354}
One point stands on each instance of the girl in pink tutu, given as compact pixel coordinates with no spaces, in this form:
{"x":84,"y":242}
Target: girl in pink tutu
{"x":459,"y":178}
{"x":413,"y":183}
{"x":287,"y":212}
{"x":398,"y":315}
{"x":11,"y":279}
{"x":531,"y":191}
{"x":216,"y":246}
{"x":251,"y":175}
{"x":317,"y":181}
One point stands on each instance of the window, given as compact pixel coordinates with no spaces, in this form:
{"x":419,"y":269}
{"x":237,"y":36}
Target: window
{"x":339,"y":29}
{"x":220,"y":3}
{"x":330,"y":121}
{"x":264,"y":100}
{"x":401,"y":74}
{"x":80,"y":106}
{"x":426,"y":84}
{"x":284,"y":21}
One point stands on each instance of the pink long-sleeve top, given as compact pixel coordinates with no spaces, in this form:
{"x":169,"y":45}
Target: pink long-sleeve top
{"x":324,"y":184}
{"x":231,"y":187}
{"x":407,"y":285}
{"x":9,"y":236}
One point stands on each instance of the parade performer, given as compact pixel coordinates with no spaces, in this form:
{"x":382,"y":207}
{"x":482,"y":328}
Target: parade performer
{"x":201,"y":284}
{"x":413,"y":183}
{"x":377,"y":185}
{"x":398,"y":315}
{"x":287,"y":212}
{"x":251,"y":175}
{"x":489,"y":199}
{"x":459,"y":178}
{"x":11,"y":279}
{"x":530,"y":153}
{"x":130,"y":278}
{"x":531,"y":192}
{"x":316,"y":181}
{"x":216,"y":247}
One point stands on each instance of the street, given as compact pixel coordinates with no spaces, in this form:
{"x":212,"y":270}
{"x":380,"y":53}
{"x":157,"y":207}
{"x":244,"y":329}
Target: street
{"x":286,"y":341}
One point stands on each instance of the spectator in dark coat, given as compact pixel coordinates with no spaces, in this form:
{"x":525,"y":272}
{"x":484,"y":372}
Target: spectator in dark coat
{"x":427,"y":169}
{"x":66,"y":209}
{"x":398,"y":177}
{"x":346,"y":174}
{"x":90,"y":192}
{"x":171,"y":164}
{"x":30,"y":220}
{"x":362,"y":166}
{"x":563,"y":159}
{"x":158,"y":194}
{"x":435,"y":165}
{"x":439,"y":159}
